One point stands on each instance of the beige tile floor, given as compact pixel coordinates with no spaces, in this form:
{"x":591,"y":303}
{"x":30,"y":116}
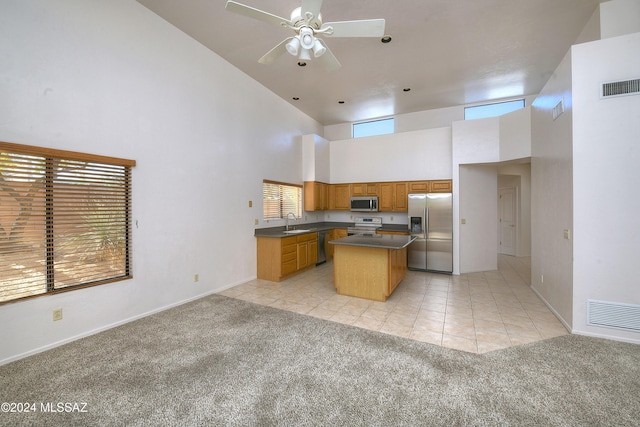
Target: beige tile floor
{"x":476,"y":312}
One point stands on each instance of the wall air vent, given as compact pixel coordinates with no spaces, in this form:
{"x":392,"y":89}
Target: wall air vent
{"x":558,"y":109}
{"x":613,"y":315}
{"x":621,"y":88}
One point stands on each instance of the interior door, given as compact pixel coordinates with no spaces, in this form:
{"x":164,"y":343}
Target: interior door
{"x":508,"y":227}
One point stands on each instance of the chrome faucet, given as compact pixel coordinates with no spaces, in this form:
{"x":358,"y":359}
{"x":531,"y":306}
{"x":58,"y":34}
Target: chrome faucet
{"x":286,"y":220}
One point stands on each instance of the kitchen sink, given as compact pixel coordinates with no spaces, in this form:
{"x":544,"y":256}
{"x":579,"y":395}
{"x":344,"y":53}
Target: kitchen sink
{"x":298,"y":231}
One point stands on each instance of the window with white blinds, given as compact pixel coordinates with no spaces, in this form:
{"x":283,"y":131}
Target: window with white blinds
{"x":280,"y":198}
{"x":65,"y":220}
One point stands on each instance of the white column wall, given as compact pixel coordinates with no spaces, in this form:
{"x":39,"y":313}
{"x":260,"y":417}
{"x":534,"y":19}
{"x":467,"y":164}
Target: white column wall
{"x":112,"y":78}
{"x":606,"y":156}
{"x":552,"y":194}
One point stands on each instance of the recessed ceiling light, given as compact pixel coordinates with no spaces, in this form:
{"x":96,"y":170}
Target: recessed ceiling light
{"x":385,"y":39}
{"x":406,"y":89}
{"x":295,"y":98}
{"x":302,"y":64}
{"x":340,"y":102}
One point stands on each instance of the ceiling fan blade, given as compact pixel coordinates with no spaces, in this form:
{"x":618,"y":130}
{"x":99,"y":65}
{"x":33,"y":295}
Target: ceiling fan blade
{"x":328,"y":60}
{"x":312,"y":7}
{"x":254,"y":13}
{"x":362,"y":28}
{"x":274,"y":53}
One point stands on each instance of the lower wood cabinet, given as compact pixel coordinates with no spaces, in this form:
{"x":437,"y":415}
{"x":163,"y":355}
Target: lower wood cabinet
{"x":334,"y":234}
{"x":307,"y":250}
{"x":279,"y":258}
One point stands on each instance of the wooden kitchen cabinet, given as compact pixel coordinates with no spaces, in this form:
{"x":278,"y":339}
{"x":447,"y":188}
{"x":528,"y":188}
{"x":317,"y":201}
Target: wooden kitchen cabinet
{"x":307,"y":250}
{"x":340,"y":197}
{"x":419,"y":186}
{"x":392,"y":197}
{"x":316,"y":196}
{"x":334,"y":234}
{"x":396,"y":233}
{"x":364,"y":189}
{"x":441,"y":186}
{"x":279,"y":258}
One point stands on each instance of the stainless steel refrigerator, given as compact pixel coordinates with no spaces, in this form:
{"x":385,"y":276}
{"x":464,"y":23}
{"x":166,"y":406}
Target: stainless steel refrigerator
{"x":431,"y":221}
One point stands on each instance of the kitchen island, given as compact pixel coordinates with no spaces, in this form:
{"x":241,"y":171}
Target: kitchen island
{"x":370,"y":267}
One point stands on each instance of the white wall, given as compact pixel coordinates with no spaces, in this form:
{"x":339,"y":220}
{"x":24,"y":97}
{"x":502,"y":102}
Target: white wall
{"x":112,"y":78}
{"x":315,"y":158}
{"x":478,"y":206}
{"x":552,"y":194}
{"x":619,"y":17}
{"x":606,"y":155}
{"x":515,"y":135}
{"x":417,"y":155}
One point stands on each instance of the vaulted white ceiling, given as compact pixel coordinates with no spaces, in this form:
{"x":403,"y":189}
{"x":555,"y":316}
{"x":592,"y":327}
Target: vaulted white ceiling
{"x":447,"y":52}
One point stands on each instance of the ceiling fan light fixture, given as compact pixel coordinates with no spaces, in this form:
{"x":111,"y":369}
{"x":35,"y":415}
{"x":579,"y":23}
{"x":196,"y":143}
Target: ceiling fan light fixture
{"x":306,"y":38}
{"x":318,"y":49}
{"x":293,"y":47}
{"x":305,"y":54}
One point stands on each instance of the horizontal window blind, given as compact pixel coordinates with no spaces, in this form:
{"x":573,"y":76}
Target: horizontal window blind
{"x":65,"y":220}
{"x":279,"y":199}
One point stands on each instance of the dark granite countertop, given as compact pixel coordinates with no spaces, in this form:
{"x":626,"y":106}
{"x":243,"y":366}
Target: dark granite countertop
{"x":312,"y":227}
{"x":382,"y":241}
{"x":278,"y":232}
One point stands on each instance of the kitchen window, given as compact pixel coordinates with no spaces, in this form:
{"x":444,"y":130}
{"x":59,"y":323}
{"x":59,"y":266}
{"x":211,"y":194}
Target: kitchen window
{"x":280,"y":199}
{"x":65,"y":220}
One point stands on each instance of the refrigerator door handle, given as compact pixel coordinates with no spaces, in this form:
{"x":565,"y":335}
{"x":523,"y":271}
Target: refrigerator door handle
{"x":426,"y":222}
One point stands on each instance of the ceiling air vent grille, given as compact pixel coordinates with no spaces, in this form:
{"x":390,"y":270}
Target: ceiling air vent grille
{"x":622,"y":88}
{"x":613,"y":315}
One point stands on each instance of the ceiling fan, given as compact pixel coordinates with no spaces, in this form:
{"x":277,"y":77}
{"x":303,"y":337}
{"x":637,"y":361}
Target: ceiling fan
{"x":306,"y":22}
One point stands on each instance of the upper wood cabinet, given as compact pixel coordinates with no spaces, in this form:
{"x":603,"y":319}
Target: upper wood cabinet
{"x":419,"y":186}
{"x":392,"y":196}
{"x":339,"y":197}
{"x":364,"y":189}
{"x":441,"y":186}
{"x":316,"y":196}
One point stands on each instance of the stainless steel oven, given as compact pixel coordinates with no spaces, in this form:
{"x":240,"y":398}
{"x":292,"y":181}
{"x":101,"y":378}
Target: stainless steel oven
{"x":365,"y":226}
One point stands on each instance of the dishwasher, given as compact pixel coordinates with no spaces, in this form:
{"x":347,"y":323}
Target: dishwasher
{"x":322,"y":238}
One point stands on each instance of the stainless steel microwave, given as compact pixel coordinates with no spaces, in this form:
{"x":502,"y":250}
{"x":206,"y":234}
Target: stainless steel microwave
{"x":364,"y":204}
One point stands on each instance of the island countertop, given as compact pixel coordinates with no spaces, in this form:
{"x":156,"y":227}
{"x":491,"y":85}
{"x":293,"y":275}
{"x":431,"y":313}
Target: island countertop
{"x":382,"y":241}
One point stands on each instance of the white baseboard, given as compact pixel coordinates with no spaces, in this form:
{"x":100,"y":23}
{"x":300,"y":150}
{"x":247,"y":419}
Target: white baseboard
{"x":118,"y":323}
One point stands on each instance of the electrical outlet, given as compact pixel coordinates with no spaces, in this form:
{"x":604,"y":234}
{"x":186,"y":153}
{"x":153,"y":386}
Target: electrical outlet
{"x":391,"y":219}
{"x":250,"y":204}
{"x":542,"y":278}
{"x":463,"y":221}
{"x":196,"y":278}
{"x":57,"y":314}
{"x":567,"y":234}
{"x":255,"y":221}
